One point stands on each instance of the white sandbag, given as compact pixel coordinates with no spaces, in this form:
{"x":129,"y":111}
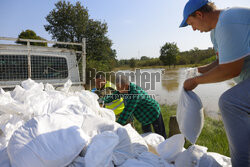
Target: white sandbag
{"x":154,"y":160}
{"x":89,"y":99}
{"x":8,"y":124}
{"x":190,"y":115}
{"x":171,"y":147}
{"x":14,"y":107}
{"x":208,"y":161}
{"x":77,"y":162}
{"x":135,"y":163}
{"x":123,"y":149}
{"x":46,"y":141}
{"x":138,"y":144}
{"x":32,"y":95}
{"x":222,"y":160}
{"x":49,"y":87}
{"x":31,"y":84}
{"x":131,"y":145}
{"x":107,"y":114}
{"x":152,"y":140}
{"x":10,"y":106}
{"x":5,"y":98}
{"x":69,"y":104}
{"x":100,"y":150}
{"x":18,"y":93}
{"x":32,"y":98}
{"x":66,"y":86}
{"x":4,"y":158}
{"x":93,"y":125}
{"x":1,"y":91}
{"x":190,"y":157}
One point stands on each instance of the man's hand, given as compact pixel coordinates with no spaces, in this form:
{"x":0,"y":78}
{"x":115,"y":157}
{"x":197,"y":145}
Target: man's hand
{"x":190,"y":84}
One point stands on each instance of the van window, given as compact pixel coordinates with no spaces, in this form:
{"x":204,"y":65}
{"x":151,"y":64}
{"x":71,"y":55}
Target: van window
{"x":48,"y":67}
{"x":13,"y":67}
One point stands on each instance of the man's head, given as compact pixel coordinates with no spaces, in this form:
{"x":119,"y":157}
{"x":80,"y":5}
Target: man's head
{"x":100,"y":80}
{"x":196,"y":13}
{"x":122,"y":83}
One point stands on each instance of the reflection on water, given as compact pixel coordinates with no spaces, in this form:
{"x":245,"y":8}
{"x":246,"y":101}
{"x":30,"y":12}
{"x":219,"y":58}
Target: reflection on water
{"x":168,"y":90}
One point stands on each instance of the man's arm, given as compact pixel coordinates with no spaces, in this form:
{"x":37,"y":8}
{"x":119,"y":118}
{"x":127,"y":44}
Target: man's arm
{"x":219,"y":73}
{"x":208,"y":67}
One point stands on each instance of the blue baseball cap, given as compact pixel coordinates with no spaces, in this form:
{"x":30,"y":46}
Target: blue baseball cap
{"x":190,"y":7}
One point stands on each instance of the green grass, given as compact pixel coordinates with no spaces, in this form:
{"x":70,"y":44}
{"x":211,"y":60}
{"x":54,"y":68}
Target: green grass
{"x":213,"y":135}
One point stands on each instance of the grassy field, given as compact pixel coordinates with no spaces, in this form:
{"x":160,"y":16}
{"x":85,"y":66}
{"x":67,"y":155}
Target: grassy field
{"x":213,"y":135}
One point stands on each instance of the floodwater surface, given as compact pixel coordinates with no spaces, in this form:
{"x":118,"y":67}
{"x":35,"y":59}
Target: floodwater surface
{"x":167,"y":90}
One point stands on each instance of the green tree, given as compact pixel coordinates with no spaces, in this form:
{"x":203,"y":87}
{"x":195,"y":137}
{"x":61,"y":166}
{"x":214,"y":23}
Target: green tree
{"x":132,"y":63}
{"x":71,"y":23}
{"x":168,"y":53}
{"x":29,"y":34}
{"x":145,"y":58}
{"x":196,"y":56}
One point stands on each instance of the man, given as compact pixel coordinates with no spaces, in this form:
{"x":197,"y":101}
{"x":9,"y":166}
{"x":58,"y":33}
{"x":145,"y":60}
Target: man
{"x":139,"y":104}
{"x":106,"y":88}
{"x":230,"y":35}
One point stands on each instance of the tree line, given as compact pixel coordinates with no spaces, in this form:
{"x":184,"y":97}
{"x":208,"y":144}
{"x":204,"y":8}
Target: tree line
{"x":171,"y":56}
{"x":71,"y":22}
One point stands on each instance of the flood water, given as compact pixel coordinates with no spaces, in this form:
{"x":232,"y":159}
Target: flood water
{"x":167,"y":90}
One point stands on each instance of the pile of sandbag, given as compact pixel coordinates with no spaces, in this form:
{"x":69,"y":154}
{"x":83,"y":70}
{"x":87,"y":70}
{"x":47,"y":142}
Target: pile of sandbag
{"x":44,"y":127}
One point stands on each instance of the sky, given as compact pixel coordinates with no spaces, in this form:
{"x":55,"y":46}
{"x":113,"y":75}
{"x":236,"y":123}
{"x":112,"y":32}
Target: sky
{"x":136,"y":27}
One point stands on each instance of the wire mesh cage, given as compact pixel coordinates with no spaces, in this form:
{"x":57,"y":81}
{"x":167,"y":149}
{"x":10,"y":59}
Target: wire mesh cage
{"x":13,"y":67}
{"x":46,"y":67}
{"x":43,"y":64}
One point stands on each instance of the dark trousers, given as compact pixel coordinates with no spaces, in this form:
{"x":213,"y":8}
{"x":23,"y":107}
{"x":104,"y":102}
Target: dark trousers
{"x":158,"y":126}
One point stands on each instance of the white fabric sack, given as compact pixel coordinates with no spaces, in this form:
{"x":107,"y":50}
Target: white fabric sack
{"x":46,"y":141}
{"x":131,"y":145}
{"x":208,"y":161}
{"x":123,"y":150}
{"x":190,"y":157}
{"x":31,"y":84}
{"x":135,"y":163}
{"x":171,"y":147}
{"x":100,"y":150}
{"x":153,"y":140}
{"x":107,"y":114}
{"x":8,"y":124}
{"x":78,"y":162}
{"x":4,"y":158}
{"x":89,"y":99}
{"x":94,"y":124}
{"x":32,"y":96}
{"x":153,"y":160}
{"x":138,"y":144}
{"x":190,"y":115}
{"x":66,"y":86}
{"x":49,"y":87}
{"x":197,"y":156}
{"x":212,"y":159}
